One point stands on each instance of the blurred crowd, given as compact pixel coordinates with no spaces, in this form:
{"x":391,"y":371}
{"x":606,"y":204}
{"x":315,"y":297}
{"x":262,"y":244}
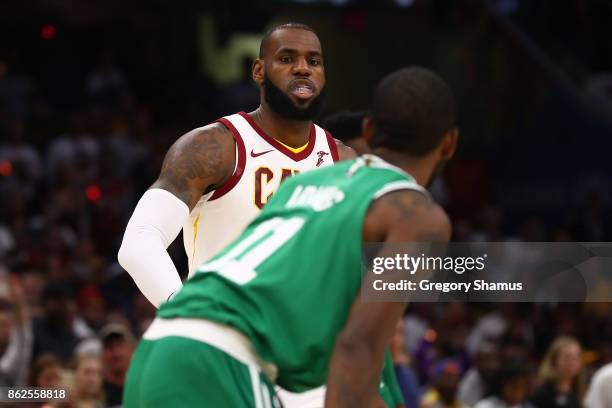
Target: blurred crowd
{"x":505,"y":355}
{"x":69,"y":178}
{"x":70,"y":317}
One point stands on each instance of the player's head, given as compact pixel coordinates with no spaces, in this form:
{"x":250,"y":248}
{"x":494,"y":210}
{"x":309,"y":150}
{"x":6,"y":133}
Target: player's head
{"x":289,"y":71}
{"x":413,"y":113}
{"x":347,"y":127}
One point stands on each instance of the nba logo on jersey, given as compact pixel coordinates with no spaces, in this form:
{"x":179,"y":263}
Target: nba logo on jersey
{"x":320,"y":155}
{"x":262,"y":162}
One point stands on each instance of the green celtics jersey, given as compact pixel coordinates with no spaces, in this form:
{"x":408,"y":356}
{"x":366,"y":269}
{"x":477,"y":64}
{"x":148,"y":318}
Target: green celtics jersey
{"x":288,"y":282}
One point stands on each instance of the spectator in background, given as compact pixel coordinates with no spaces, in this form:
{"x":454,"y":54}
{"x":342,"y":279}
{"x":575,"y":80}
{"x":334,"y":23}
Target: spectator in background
{"x":445,"y":381}
{"x":117,"y":349}
{"x":406,"y":377}
{"x":15,"y":88}
{"x":445,"y":341}
{"x":562,"y":382}
{"x":511,"y":388}
{"x":514,"y":348}
{"x":416,"y":324}
{"x":55,"y":332}
{"x":599,"y":394}
{"x":106,"y":84}
{"x":76,"y":151}
{"x":47,"y":371}
{"x":490,"y":327}
{"x":87,"y":391}
{"x":476,"y":384}
{"x":125,"y":152}
{"x":15,"y":334}
{"x":21,"y":164}
{"x":505,"y":323}
{"x":242,"y":95}
{"x":346,"y":126}
{"x":92,"y":306}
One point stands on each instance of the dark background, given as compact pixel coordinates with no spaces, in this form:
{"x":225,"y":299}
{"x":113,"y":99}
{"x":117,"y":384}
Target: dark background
{"x":93,"y":93}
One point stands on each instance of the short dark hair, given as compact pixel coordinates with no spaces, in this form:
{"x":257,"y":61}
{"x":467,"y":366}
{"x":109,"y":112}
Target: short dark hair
{"x":58,"y":290}
{"x":412,"y":108}
{"x":509,"y":371}
{"x":113,"y":332}
{"x":285,"y":26}
{"x":345,"y":125}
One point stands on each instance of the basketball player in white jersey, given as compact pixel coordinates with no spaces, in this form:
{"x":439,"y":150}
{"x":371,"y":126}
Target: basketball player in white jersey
{"x":215,"y":179}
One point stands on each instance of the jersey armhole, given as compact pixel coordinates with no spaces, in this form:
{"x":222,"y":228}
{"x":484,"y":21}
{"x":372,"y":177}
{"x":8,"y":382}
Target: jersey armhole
{"x":333,"y":147}
{"x":240,"y":162}
{"x":400,"y":185}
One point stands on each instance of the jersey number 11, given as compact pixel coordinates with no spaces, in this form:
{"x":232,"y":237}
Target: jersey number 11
{"x":239,"y":264}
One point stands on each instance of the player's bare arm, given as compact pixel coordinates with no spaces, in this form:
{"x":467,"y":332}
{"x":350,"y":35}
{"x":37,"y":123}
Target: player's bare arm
{"x":345,"y":152}
{"x":356,"y":363}
{"x":198,"y":162}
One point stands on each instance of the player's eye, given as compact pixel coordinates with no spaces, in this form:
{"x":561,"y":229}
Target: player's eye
{"x":285,"y":59}
{"x":314,"y":61}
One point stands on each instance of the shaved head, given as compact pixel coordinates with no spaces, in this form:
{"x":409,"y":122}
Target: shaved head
{"x":286,"y":26}
{"x":413,"y":109}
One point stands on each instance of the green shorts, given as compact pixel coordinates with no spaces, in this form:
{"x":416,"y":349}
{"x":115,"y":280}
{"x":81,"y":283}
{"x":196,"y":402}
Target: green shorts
{"x":180,"y":372}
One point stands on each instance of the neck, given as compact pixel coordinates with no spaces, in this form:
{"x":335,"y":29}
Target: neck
{"x":290,"y":132}
{"x":419,"y":168}
{"x":564,"y":385}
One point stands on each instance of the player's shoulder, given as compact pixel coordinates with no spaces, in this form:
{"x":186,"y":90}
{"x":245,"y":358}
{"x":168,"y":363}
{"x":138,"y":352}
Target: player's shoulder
{"x":411,"y":204}
{"x":214,"y":131}
{"x":411,"y":214}
{"x":211,"y":140}
{"x":344,"y":152}
{"x":207,"y":151}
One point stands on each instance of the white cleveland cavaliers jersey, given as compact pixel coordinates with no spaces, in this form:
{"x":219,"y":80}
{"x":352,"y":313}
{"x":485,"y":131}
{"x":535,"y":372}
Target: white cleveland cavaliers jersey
{"x":261,"y":164}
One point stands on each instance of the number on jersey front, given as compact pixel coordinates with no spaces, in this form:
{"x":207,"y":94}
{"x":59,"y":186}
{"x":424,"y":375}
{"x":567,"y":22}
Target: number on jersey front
{"x":239,"y":264}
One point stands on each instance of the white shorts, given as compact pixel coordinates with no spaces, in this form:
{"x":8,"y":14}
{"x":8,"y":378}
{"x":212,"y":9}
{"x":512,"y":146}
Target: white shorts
{"x":314,"y":398}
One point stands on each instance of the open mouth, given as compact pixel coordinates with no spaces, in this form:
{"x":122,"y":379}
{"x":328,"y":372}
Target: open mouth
{"x":302,"y":89}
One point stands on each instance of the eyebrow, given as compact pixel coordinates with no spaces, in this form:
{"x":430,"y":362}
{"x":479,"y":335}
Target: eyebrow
{"x":289,"y":50}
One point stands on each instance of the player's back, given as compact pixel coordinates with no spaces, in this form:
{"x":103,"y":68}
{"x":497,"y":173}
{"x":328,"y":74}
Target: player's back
{"x":289,"y":280}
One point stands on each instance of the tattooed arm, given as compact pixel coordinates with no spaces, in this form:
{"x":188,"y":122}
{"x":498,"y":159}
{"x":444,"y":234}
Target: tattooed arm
{"x":357,"y":360}
{"x":198,"y":162}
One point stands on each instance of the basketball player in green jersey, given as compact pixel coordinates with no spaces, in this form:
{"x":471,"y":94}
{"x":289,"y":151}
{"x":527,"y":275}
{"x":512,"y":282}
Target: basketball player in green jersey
{"x":281,"y":304}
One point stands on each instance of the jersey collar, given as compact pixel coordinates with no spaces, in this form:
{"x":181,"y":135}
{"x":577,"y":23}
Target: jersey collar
{"x":295,"y":156}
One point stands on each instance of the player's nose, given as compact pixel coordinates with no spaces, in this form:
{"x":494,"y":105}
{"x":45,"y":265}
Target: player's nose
{"x":301,"y":67}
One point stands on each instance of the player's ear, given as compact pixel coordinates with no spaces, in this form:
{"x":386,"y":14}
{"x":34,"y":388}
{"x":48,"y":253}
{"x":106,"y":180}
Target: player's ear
{"x":449,"y":144}
{"x":258,"y":71}
{"x":367,"y":129}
